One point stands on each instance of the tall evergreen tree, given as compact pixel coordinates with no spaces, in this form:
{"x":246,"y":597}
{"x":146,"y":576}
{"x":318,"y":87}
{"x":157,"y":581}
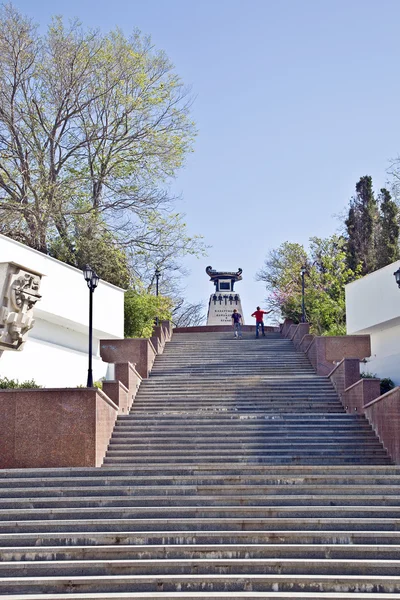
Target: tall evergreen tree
{"x":361,"y":225}
{"x":387,"y":250}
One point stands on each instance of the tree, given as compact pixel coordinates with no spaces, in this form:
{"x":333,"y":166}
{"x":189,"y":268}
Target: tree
{"x":388,"y":233}
{"x":141,"y":310}
{"x":361,"y":226}
{"x":187,"y":314}
{"x":326,"y":275}
{"x":91,"y":126}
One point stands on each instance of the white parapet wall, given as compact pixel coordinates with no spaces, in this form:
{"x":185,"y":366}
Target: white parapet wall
{"x":373,"y":307}
{"x":56,"y":352}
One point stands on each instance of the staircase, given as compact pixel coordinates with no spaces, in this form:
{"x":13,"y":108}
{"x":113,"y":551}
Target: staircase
{"x":236,"y":475}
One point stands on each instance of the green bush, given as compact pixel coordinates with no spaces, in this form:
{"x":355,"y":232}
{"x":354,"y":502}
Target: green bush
{"x":141,"y":310}
{"x":14,"y":384}
{"x":386,"y":385}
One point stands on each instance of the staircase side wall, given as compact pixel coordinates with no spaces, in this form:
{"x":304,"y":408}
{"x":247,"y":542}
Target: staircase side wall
{"x":54,"y":427}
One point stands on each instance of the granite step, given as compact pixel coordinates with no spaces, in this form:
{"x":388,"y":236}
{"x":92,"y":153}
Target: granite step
{"x":206,"y":566}
{"x":196,"y":499}
{"x":200,"y":551}
{"x":181,"y":538}
{"x":363,"y":520}
{"x":204,"y":583}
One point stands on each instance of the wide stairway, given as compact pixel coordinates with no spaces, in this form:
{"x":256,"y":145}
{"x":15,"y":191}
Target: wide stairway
{"x":236,"y":475}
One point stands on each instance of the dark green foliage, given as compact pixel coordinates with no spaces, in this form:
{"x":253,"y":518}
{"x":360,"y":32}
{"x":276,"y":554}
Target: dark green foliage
{"x":386,"y":385}
{"x":13,"y":384}
{"x":90,"y":243}
{"x":372,"y":228}
{"x":361,"y":227}
{"x":388,"y":234}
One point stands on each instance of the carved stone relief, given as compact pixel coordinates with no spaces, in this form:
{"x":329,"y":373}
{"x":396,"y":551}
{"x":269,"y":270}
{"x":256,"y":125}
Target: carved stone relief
{"x":19,"y":292}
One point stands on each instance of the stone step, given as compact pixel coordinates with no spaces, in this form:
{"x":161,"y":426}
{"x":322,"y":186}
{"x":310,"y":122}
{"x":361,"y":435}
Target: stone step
{"x":283,"y":460}
{"x":295,"y":473}
{"x":222,"y":453}
{"x":207,"y":566}
{"x":195,"y":499}
{"x":191,"y":446}
{"x":234,"y":421}
{"x":217,"y":514}
{"x":203,"y":595}
{"x":200,"y":551}
{"x":203,"y":583}
{"x":182,"y":538}
{"x":365,"y":493}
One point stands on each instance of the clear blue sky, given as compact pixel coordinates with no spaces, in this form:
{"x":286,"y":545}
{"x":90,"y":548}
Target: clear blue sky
{"x":295,"y":100}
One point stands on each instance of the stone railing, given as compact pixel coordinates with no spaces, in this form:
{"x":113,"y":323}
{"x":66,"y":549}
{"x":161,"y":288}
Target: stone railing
{"x":338,"y":357}
{"x":324,"y":352}
{"x":55,"y":427}
{"x":384,"y":415}
{"x":71,"y":427}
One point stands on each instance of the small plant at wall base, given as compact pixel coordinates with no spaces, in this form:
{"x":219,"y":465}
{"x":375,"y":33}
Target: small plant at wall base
{"x":13,"y":384}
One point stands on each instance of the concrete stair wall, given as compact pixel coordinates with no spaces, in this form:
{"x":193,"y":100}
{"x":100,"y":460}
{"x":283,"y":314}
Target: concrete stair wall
{"x":237,"y":474}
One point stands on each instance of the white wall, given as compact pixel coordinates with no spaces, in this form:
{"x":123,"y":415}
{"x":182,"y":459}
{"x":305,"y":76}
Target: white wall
{"x":55,"y":354}
{"x":373,"y":307}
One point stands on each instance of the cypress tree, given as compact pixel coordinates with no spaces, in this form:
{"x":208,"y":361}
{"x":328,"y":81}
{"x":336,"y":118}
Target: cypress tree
{"x":388,"y":235}
{"x":361,"y":225}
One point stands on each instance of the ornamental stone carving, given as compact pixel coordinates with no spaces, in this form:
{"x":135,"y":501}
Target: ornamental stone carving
{"x":19,"y":292}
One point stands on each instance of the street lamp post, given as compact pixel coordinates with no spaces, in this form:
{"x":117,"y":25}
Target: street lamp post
{"x":158,"y":274}
{"x":92,"y":280}
{"x":303,"y":308}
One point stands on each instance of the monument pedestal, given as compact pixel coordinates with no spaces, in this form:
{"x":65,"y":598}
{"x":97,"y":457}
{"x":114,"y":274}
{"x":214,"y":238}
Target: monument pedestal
{"x":220,"y":309}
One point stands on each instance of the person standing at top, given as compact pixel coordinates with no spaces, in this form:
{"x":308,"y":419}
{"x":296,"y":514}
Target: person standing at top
{"x":259,"y":315}
{"x":237,"y":323}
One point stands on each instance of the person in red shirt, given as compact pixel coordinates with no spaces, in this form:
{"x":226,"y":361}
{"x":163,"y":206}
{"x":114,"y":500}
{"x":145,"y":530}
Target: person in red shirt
{"x":259,"y":315}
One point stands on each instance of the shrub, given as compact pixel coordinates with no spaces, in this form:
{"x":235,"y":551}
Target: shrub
{"x":386,"y":385}
{"x":13,"y":384}
{"x":141,"y":309}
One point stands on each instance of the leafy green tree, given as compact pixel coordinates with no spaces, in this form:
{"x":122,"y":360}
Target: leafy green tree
{"x":361,"y":227}
{"x":326,"y":275}
{"x":91,"y":125}
{"x":94,"y":245}
{"x":141,"y":310}
{"x":388,"y":233}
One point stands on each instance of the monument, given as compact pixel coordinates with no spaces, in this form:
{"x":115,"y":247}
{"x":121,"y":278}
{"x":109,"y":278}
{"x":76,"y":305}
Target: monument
{"x":224,"y":300}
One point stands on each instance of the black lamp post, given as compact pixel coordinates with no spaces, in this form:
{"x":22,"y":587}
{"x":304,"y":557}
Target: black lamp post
{"x":158,"y":275}
{"x":397,"y":276}
{"x":303,"y":308}
{"x":92,"y":280}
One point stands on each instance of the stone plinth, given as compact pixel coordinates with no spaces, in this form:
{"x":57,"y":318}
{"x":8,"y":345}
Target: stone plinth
{"x":128,"y":375}
{"x":361,"y":393}
{"x":383,"y":413}
{"x":119,"y":394}
{"x":134,"y":350}
{"x":324,"y":351}
{"x":55,"y":427}
{"x":167,"y":325}
{"x":158,"y":339}
{"x":302,"y":329}
{"x":286,"y":326}
{"x":220,"y":309}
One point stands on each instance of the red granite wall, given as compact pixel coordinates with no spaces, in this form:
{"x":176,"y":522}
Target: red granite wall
{"x":55,"y":427}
